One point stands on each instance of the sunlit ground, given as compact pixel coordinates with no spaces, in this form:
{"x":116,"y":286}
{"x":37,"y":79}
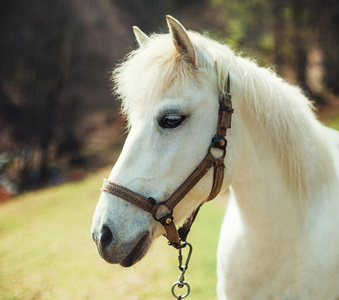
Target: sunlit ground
{"x":46,"y":251}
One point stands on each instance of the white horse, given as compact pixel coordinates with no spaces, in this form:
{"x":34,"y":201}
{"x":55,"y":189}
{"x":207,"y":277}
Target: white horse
{"x":280,"y":235}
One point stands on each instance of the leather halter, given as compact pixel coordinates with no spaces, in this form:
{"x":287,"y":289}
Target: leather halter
{"x":162,"y":212}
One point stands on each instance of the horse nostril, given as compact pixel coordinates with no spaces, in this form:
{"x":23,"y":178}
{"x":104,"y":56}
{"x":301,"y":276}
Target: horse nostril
{"x":105,"y":238}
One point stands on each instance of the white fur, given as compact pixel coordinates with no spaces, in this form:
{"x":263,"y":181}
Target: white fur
{"x":280,"y":235}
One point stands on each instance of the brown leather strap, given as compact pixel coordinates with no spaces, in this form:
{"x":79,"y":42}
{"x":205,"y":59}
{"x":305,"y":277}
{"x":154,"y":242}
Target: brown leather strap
{"x":162,"y":212}
{"x":134,"y":198}
{"x":218,"y":178}
{"x":224,"y":122}
{"x":225,"y":112}
{"x":191,"y":181}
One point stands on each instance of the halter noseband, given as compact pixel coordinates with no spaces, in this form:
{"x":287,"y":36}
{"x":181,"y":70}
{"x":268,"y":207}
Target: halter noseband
{"x":162,"y":212}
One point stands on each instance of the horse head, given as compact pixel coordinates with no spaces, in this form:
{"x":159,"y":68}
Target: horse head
{"x":170,"y":93}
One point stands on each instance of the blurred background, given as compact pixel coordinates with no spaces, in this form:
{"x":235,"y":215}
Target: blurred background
{"x":61,"y":132}
{"x":58,"y":118}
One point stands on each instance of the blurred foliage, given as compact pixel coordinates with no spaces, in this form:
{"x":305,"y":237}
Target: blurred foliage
{"x":55,"y":58}
{"x":284,"y":33}
{"x":39,"y":63}
{"x":54,"y":69}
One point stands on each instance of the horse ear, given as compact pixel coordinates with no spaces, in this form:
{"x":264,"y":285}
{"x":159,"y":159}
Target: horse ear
{"x":182,"y":42}
{"x":141,"y":37}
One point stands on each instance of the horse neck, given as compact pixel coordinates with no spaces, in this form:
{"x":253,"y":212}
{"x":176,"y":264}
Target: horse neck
{"x":266,"y":203}
{"x":282,"y":153}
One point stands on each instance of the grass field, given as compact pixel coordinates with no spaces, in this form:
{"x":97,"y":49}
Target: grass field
{"x":46,"y":251}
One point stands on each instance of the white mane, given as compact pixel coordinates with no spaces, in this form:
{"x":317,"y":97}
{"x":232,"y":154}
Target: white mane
{"x":281,"y":112}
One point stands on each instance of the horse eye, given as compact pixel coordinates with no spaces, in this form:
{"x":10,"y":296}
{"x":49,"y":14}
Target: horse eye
{"x":171,"y":121}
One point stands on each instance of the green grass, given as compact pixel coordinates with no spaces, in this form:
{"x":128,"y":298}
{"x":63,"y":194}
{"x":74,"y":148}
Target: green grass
{"x":46,"y":251}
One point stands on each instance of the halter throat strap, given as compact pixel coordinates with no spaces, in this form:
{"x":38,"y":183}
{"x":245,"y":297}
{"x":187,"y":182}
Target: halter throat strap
{"x":163,"y":212}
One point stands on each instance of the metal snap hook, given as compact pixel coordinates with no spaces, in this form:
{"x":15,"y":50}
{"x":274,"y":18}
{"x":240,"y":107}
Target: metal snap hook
{"x":184,"y":267}
{"x":181,"y":283}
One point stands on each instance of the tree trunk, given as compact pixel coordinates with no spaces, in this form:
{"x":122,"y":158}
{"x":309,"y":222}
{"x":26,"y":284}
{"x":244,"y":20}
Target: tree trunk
{"x":279,"y":36}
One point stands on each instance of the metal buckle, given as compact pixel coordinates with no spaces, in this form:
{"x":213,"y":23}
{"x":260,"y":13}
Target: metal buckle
{"x":166,"y":220}
{"x":219,"y":142}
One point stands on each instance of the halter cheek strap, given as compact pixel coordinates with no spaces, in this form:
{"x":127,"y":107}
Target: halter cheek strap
{"x":163,"y":212}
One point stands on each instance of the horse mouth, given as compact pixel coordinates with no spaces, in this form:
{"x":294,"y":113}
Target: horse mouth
{"x":137,"y":253}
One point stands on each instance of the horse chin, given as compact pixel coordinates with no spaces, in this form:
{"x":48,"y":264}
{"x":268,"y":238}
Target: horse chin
{"x":138,"y":252}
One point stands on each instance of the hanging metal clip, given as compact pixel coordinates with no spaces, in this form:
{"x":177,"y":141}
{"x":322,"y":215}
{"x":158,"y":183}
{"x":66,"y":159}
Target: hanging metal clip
{"x":181,"y":283}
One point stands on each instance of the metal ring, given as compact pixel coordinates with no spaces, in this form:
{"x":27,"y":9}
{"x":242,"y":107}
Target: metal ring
{"x":180,"y":285}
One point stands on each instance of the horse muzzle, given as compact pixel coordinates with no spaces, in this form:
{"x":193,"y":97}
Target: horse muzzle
{"x":127,"y":253}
